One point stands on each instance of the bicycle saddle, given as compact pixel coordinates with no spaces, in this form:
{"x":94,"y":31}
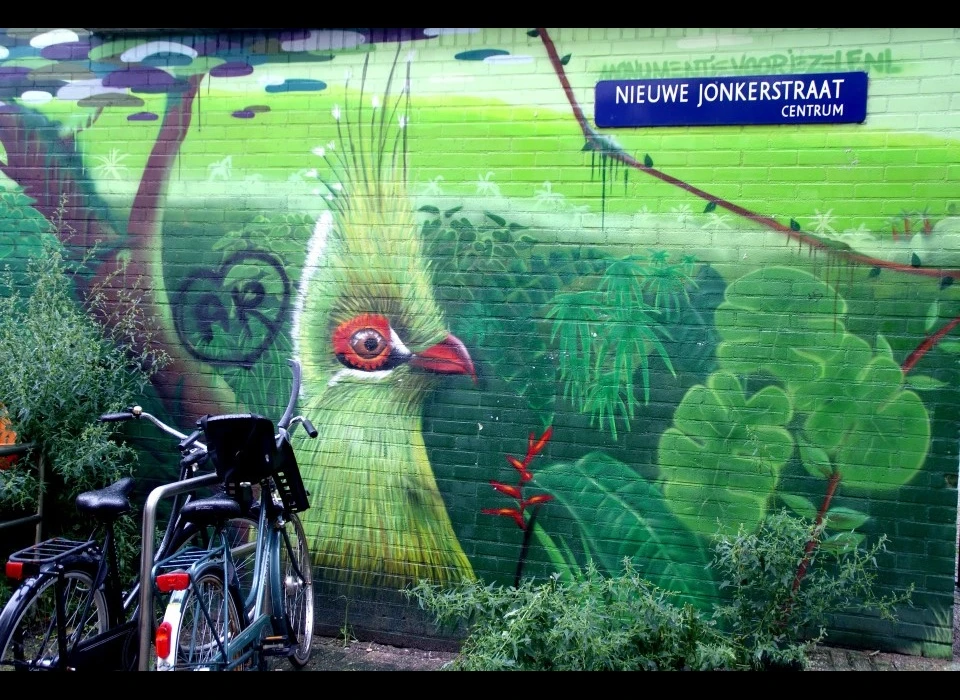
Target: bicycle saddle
{"x":211,"y":510}
{"x":112,"y":501}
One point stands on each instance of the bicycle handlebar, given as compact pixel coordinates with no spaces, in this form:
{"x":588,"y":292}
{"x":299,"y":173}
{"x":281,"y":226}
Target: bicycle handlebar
{"x":190,"y":443}
{"x":136,"y":412}
{"x":288,"y":421}
{"x":284,"y":421}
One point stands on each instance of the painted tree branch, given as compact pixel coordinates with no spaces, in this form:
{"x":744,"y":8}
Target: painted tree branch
{"x":188,"y":387}
{"x":832,"y":485}
{"x":48,"y":169}
{"x":604,"y":146}
{"x":928,"y":343}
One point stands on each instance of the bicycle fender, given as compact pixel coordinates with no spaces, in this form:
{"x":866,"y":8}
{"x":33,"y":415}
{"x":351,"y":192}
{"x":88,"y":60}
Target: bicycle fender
{"x":23,"y":591}
{"x":172,"y":616}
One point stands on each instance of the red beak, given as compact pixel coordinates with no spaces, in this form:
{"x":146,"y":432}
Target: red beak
{"x":447,"y":357}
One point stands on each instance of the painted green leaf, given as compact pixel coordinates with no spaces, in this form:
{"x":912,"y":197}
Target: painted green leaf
{"x":842,"y":518}
{"x":612,"y":513}
{"x":648,"y":161}
{"x":815,"y":460}
{"x":799,"y":505}
{"x":883,"y":347}
{"x":499,"y":220}
{"x":874,"y":272}
{"x":198,"y":66}
{"x":533,"y":33}
{"x":721,"y":460}
{"x":924,"y":383}
{"x":933,"y":313}
{"x":839,"y":361}
{"x":877,"y":433}
{"x":565,"y":60}
{"x":915,"y":260}
{"x":951,"y":346}
{"x":23,"y":232}
{"x":780,"y":320}
{"x":794,"y":226}
{"x":946,"y":282}
{"x":710,"y":207}
{"x":34,"y":63}
{"x":842,"y":542}
{"x":429,"y":209}
{"x":109,"y":49}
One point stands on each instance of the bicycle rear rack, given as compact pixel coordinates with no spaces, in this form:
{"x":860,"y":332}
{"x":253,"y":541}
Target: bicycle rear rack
{"x":48,"y":552}
{"x":182,"y":560}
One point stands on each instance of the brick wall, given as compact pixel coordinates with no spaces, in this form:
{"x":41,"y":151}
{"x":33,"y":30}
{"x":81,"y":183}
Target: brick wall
{"x":657,"y":334}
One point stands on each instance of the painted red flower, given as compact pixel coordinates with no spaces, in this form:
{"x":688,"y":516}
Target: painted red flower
{"x":534,"y":447}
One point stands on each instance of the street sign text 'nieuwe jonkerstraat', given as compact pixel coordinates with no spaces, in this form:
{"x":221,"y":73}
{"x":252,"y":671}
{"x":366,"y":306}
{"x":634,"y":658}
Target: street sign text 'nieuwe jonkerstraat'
{"x":821,"y":98}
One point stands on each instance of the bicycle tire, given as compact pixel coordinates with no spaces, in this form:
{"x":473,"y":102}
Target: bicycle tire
{"x":28,"y":622}
{"x":193,"y":641}
{"x":297,"y":589}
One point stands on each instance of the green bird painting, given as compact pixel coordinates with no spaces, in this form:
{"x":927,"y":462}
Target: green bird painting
{"x":372,"y":341}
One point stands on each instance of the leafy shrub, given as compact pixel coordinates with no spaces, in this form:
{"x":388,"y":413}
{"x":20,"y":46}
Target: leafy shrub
{"x":779,"y":587}
{"x":782,"y":584}
{"x":593,"y":623}
{"x":60,"y":368}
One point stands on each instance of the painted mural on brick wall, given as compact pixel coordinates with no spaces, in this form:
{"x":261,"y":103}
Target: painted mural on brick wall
{"x":528,"y":343}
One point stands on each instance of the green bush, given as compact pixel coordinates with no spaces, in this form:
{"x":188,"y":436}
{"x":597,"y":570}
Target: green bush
{"x":782,"y":583}
{"x":772,"y":612}
{"x":593,"y":623}
{"x":60,"y":368}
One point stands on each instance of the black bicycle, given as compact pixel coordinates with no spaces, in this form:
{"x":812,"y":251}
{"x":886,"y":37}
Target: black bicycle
{"x":72,"y":609}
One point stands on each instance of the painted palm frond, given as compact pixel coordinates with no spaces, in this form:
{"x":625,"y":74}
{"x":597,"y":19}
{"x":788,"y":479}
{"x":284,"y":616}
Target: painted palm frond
{"x":669,"y":284}
{"x":624,"y":281}
{"x":576,"y":318}
{"x":608,"y":400}
{"x":626,"y":344}
{"x":605,"y":336}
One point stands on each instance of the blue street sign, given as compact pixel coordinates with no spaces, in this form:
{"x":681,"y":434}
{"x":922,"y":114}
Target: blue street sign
{"x":819,"y":98}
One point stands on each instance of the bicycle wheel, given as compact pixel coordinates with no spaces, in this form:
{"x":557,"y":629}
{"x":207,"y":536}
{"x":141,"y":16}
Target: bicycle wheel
{"x":297,"y":585}
{"x":28,"y":623}
{"x":200,"y":624}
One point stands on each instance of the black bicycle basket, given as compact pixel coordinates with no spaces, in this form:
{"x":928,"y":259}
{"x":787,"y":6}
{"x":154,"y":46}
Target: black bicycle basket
{"x":243,"y":448}
{"x":286,"y":476}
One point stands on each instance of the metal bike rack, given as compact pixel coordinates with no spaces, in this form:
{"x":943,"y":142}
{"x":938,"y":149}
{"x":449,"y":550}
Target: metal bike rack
{"x":146,"y":561}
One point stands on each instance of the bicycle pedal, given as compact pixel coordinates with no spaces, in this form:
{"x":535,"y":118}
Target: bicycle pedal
{"x":276,"y":643}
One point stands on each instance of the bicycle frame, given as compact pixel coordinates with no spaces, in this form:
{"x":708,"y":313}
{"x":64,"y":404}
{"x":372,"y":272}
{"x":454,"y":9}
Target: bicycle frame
{"x":48,"y":563}
{"x":262,"y":619}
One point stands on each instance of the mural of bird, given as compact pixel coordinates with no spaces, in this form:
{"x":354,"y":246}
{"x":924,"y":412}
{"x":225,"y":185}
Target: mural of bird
{"x":372,"y":341}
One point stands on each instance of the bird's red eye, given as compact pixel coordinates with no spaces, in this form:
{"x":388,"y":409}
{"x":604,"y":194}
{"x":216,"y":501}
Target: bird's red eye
{"x":363,"y":342}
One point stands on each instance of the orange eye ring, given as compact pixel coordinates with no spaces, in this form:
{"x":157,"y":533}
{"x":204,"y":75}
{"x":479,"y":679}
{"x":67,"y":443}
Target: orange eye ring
{"x":363,"y":342}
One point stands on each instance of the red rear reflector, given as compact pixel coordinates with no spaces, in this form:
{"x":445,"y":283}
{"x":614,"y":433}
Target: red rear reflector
{"x":15,"y":570}
{"x":176,"y":581}
{"x":162,"y":639}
